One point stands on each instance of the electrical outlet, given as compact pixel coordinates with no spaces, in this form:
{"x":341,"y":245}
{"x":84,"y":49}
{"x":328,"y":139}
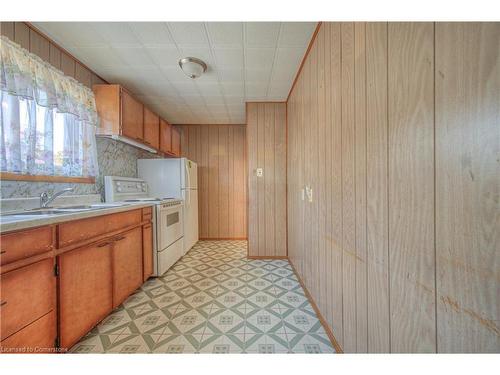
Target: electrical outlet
{"x":309,"y":193}
{"x":259,"y":172}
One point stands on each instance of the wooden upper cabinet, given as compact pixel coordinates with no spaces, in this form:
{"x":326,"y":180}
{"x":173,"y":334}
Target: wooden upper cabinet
{"x":165,"y":137}
{"x":85,"y":290}
{"x":176,"y":141}
{"x":132,"y":117}
{"x":119,"y":112}
{"x":151,"y":129}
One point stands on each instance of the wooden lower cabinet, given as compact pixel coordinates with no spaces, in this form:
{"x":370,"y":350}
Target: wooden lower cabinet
{"x":85,"y":290}
{"x":147,"y":251}
{"x":127,"y":264}
{"x":38,"y":337}
{"x":26,"y":294}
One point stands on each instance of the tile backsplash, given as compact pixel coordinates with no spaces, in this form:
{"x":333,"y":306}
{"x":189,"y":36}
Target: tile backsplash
{"x":115,"y":158}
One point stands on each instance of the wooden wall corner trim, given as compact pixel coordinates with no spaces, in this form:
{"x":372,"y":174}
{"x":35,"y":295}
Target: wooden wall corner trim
{"x":322,"y":320}
{"x":304,"y":58}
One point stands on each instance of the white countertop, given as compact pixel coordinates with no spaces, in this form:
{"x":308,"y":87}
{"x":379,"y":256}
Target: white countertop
{"x":11,"y":223}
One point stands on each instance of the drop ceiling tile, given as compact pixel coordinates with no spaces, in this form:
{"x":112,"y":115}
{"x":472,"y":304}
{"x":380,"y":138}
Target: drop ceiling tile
{"x":234,"y":100}
{"x":116,"y":33}
{"x":194,"y":100}
{"x":279,"y":90}
{"x":255,"y":90}
{"x":258,"y":75}
{"x":209,"y":88}
{"x":134,"y":56}
{"x":154,"y":88}
{"x":228,"y":74}
{"x":175,"y":75}
{"x":98,"y":57}
{"x":225,"y":33}
{"x":164,"y":55}
{"x":232,"y":57}
{"x":262,"y":34}
{"x":233,"y":88}
{"x":289,"y":57}
{"x":187,"y":88}
{"x":215,"y":100}
{"x":259,"y":57}
{"x":144,"y":58}
{"x":152,"y":33}
{"x":188,"y":33}
{"x":296,"y":34}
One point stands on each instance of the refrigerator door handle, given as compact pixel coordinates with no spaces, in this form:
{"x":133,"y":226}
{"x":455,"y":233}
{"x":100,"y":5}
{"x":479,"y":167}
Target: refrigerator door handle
{"x":187,"y":178}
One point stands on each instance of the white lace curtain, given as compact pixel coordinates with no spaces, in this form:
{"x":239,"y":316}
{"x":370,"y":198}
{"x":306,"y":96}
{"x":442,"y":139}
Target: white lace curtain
{"x":48,"y":120}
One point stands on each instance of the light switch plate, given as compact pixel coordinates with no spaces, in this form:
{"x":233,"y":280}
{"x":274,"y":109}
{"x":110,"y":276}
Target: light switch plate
{"x":259,"y":172}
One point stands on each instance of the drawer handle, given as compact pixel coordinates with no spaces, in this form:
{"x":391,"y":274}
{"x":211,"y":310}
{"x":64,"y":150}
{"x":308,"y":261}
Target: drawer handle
{"x":3,"y":252}
{"x":3,"y":303}
{"x":103,"y":244}
{"x":120,"y":238}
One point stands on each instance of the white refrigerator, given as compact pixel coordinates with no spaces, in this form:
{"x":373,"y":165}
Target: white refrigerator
{"x":175,"y":178}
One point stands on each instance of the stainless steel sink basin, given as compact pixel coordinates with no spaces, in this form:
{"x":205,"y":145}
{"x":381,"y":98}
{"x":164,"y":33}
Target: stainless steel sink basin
{"x":59,"y":210}
{"x":36,"y":213}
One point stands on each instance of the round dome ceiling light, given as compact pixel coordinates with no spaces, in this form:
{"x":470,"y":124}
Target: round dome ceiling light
{"x":192,"y":67}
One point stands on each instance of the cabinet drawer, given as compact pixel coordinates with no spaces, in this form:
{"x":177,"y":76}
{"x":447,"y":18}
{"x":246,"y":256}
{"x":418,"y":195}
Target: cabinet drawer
{"x":38,"y":337}
{"x":26,"y":294}
{"x":24,"y":244}
{"x":77,"y":231}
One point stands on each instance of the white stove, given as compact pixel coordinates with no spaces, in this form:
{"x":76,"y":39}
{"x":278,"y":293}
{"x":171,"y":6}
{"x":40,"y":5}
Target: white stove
{"x":168,"y":232}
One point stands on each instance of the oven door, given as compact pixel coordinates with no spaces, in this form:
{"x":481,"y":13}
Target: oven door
{"x":169,"y":225}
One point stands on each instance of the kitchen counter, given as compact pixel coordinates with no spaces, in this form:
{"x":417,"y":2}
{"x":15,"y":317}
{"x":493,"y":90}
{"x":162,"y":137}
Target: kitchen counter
{"x":12,"y":223}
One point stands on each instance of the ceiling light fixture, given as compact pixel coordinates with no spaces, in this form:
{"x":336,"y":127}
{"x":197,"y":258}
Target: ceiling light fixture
{"x":192,"y":67}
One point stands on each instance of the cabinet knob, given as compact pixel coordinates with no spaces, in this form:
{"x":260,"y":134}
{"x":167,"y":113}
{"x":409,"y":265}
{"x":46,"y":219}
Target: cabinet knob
{"x":3,"y":252}
{"x":3,"y":303}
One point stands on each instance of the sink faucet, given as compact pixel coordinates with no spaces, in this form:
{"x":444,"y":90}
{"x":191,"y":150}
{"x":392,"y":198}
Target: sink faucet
{"x":45,"y":198}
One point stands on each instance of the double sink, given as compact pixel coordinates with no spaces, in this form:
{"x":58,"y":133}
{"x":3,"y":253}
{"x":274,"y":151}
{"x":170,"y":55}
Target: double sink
{"x":59,"y":210}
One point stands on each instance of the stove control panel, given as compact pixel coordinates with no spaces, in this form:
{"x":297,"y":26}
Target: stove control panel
{"x":122,"y":188}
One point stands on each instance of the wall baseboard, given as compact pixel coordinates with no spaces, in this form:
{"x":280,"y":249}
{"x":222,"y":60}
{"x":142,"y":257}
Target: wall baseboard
{"x":322,"y":320}
{"x":222,"y":238}
{"x":267,"y":257}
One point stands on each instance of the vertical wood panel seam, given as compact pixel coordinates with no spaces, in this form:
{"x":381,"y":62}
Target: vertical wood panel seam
{"x":435,"y":200}
{"x":388,"y":192}
{"x":366,"y":189}
{"x":342,"y":185}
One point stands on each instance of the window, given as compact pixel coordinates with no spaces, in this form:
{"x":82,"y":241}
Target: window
{"x":37,"y":140}
{"x":48,"y":120}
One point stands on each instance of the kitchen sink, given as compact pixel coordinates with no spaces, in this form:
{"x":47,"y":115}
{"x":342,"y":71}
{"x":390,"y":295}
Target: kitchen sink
{"x":60,"y":210}
{"x":37,"y":212}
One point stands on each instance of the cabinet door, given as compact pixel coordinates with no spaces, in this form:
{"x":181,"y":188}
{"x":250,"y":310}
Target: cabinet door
{"x":85,"y":290}
{"x":165,"y":136}
{"x":147,"y":251}
{"x":26,"y":294}
{"x":176,"y":142}
{"x":127,"y":264}
{"x":132,"y":117}
{"x":39,"y":336}
{"x":151,"y":129}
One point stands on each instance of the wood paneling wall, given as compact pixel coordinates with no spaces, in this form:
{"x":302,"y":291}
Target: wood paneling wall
{"x":266,"y":133}
{"x":29,"y":38}
{"x":395,"y":127}
{"x":220,"y":152}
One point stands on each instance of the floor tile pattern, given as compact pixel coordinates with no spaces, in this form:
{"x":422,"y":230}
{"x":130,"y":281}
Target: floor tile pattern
{"x":214,"y":300}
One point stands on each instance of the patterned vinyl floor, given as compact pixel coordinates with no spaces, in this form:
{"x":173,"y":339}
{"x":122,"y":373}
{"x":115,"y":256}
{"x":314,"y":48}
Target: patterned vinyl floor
{"x":214,"y":300}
